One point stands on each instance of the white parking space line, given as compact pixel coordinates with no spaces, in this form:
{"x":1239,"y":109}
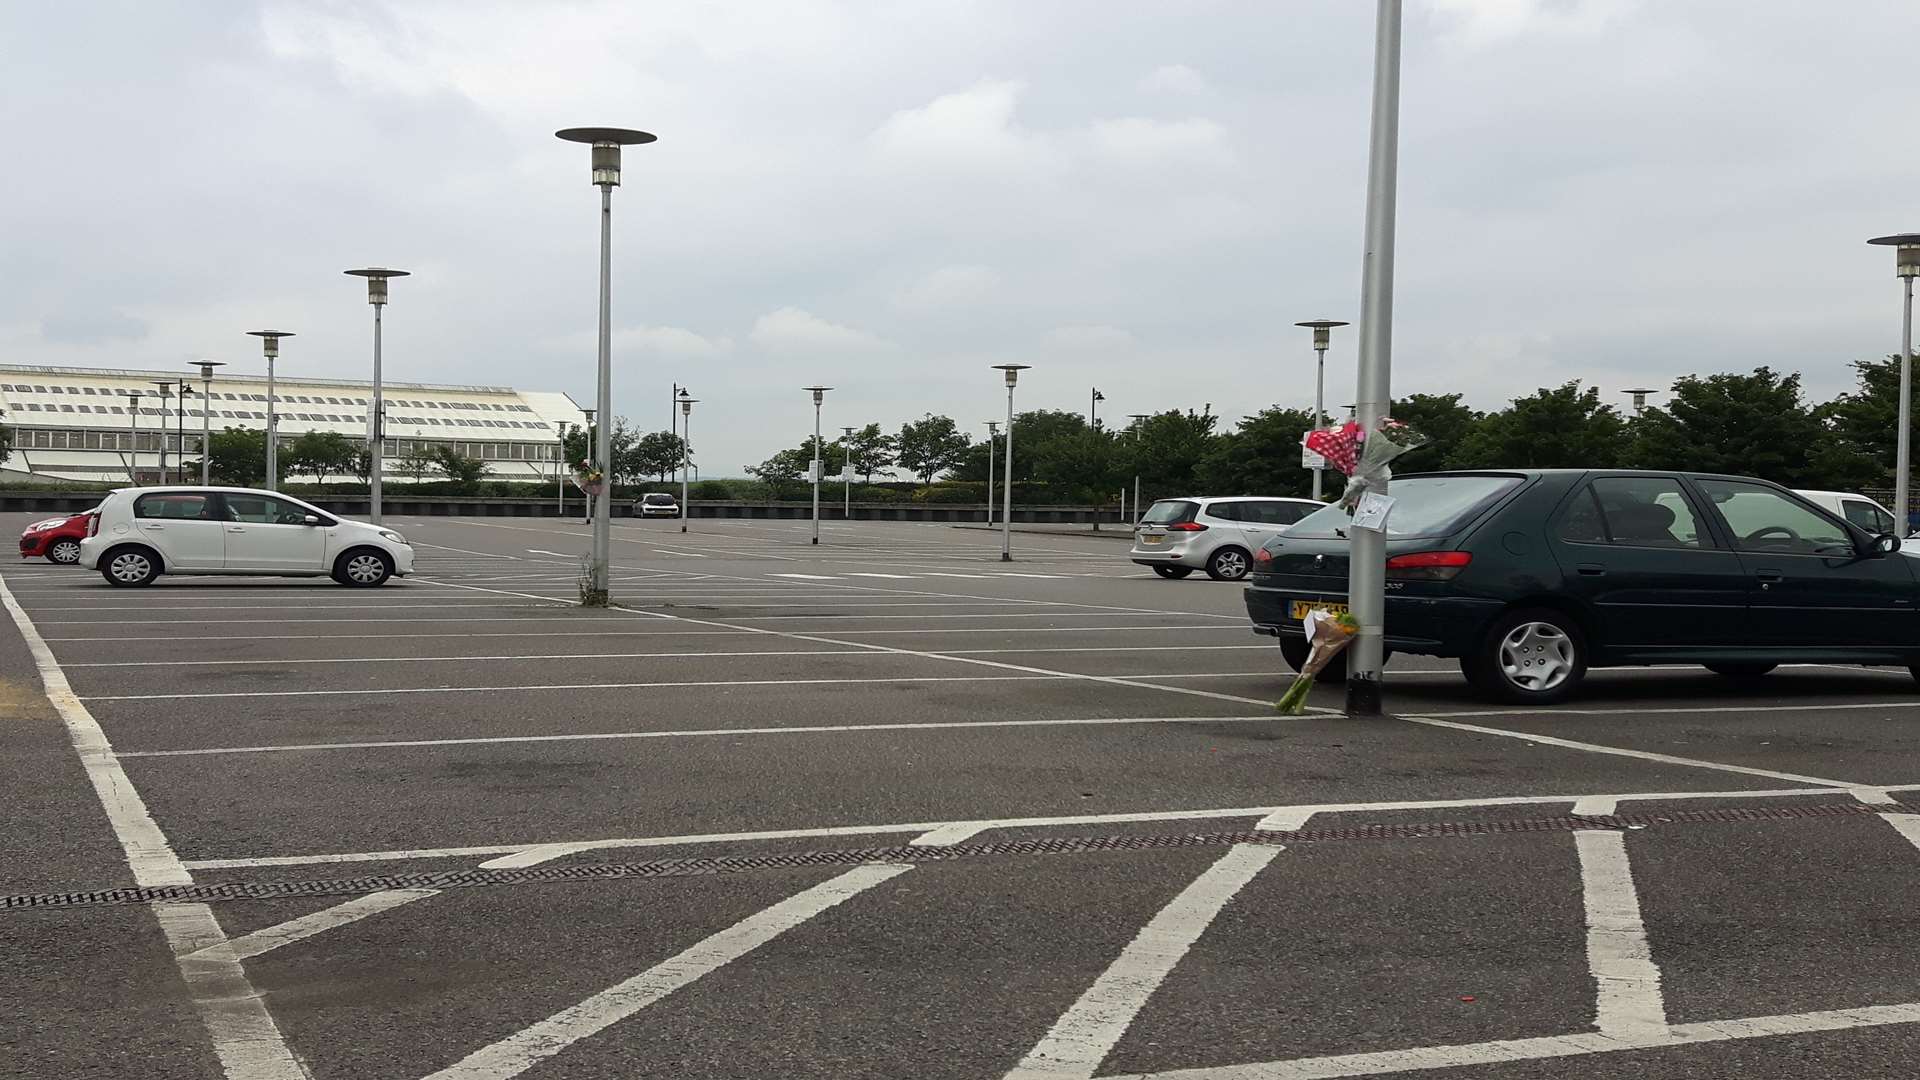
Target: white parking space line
{"x":265,"y":940}
{"x":1081,"y":1039}
{"x":1628,"y":1003}
{"x":694,"y":733}
{"x":541,"y":687}
{"x":1299,"y":811}
{"x":809,"y":577}
{"x":666,"y":631}
{"x":464,"y":551}
{"x":526,"y":1048}
{"x":1643,"y":755}
{"x":897,"y":577}
{"x":247,"y":1042}
{"x":689,"y":655}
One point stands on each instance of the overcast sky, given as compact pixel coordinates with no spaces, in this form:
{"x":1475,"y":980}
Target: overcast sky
{"x":889,"y":197}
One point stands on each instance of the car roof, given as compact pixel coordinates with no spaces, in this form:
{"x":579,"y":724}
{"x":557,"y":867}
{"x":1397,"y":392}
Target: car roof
{"x":1238,"y":498}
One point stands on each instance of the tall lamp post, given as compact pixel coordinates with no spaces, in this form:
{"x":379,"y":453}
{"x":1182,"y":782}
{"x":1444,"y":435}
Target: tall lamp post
{"x":206,"y":417}
{"x":165,"y":390}
{"x":377,"y":277}
{"x":1139,"y":423}
{"x":993,"y":444}
{"x":133,"y":436}
{"x":606,"y":143}
{"x":819,"y":393}
{"x":1367,"y":567}
{"x":1322,"y":337}
{"x":1906,"y":264}
{"x":560,"y":475}
{"x":846,"y":470}
{"x":1093,"y":409}
{"x":1006,"y":508}
{"x":686,"y":451}
{"x":270,"y":340}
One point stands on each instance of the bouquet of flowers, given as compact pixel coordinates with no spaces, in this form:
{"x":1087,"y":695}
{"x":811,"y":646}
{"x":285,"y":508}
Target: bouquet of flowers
{"x":588,"y":478}
{"x":1363,"y":456}
{"x":1327,"y":633}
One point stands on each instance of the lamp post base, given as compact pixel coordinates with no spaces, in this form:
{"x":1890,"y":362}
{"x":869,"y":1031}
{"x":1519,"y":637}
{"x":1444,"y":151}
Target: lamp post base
{"x":1004,"y":557}
{"x":1363,"y":697}
{"x":591,"y":597}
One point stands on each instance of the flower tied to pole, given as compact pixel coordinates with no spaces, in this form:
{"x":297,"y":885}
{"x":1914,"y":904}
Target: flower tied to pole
{"x":1363,"y":456}
{"x":1327,"y":634}
{"x":589,"y":479}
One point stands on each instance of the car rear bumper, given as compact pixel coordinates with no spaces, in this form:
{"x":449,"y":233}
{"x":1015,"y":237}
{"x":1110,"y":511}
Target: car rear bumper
{"x":1427,"y":625}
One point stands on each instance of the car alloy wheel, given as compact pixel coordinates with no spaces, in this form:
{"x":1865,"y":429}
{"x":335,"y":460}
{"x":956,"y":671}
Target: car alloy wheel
{"x":65,"y":552}
{"x":1537,"y":656}
{"x":1227,"y":564}
{"x":130,"y":568}
{"x":366,"y":568}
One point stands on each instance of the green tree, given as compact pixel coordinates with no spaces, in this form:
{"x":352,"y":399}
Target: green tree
{"x":239,"y":458}
{"x":6,"y":442}
{"x":1443,"y":420}
{"x":871,"y":451}
{"x":320,"y":454}
{"x":1561,"y":427}
{"x":788,"y":467}
{"x":1866,"y":421}
{"x":655,"y":454}
{"x":418,"y":464}
{"x":465,"y":472}
{"x":1753,"y":425}
{"x":930,"y":446}
{"x":1259,"y":457}
{"x":1165,"y":450}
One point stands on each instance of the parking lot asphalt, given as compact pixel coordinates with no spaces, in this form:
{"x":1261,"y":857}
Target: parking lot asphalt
{"x":890,"y":807}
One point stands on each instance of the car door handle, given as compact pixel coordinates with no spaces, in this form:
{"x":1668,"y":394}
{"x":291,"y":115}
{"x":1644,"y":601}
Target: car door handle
{"x":154,"y":528}
{"x":1592,"y":569}
{"x":235,"y":528}
{"x":1768,"y":577}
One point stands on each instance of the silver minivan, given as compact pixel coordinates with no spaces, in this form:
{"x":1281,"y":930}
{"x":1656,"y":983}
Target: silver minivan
{"x":1218,"y":535}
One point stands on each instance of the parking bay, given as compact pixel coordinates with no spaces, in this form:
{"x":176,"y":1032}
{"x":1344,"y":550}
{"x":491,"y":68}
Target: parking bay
{"x":765,"y":698}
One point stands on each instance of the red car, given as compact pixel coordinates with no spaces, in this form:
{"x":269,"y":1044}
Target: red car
{"x":56,"y":538}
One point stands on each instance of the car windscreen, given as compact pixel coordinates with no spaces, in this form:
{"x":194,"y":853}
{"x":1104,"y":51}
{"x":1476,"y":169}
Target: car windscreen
{"x":1169,"y":511}
{"x":1422,"y":506}
{"x":659,"y":500}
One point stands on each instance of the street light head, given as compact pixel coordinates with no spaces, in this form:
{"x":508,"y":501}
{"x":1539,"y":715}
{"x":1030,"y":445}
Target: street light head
{"x":1013,"y":371}
{"x":1906,"y":252}
{"x":1322,"y":331}
{"x":819,"y":392}
{"x":206,"y":367}
{"x":606,"y":143}
{"x":377,"y":281}
{"x":687,"y":404}
{"x":270,"y":339}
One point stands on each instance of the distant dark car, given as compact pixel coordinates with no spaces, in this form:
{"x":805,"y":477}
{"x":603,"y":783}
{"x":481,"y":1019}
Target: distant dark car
{"x":1531,"y":577}
{"x":58,"y":539}
{"x":657,"y":504}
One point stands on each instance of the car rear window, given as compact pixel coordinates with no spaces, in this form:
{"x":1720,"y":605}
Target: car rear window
{"x":1169,"y":512}
{"x":659,"y":500}
{"x":1422,"y":506}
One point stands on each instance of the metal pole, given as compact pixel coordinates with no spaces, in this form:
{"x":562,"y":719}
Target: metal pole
{"x":1319,"y":406}
{"x":816,"y":468}
{"x":846,"y":469}
{"x":1006,"y":485}
{"x":180,"y":428}
{"x":133,"y":433}
{"x":206,"y":431}
{"x":273,"y":435}
{"x":603,"y":444}
{"x":1902,"y":442}
{"x":373,"y":426}
{"x":1136,"y":498}
{"x":560,"y":475}
{"x":991,"y":439}
{"x":687,"y":427}
{"x":160,"y":439}
{"x":1366,"y":573}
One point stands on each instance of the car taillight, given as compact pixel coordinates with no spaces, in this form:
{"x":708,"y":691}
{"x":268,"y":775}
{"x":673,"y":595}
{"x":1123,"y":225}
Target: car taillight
{"x":93,"y":524}
{"x":1428,"y":565}
{"x":1186,"y":526}
{"x":1263,"y":556}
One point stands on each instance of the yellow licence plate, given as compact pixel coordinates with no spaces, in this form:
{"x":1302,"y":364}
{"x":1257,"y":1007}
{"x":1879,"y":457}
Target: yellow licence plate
{"x":1151,"y":540}
{"x":1301,"y":607}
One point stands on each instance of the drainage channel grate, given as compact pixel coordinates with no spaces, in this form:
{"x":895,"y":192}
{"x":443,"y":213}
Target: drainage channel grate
{"x":736,"y":864}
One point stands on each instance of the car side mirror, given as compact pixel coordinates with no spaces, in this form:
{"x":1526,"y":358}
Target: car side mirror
{"x":309,"y":520}
{"x":1885,"y":544}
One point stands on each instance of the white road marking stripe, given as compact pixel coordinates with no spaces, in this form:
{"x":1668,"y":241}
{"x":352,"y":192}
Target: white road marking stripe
{"x":684,"y":554}
{"x":981,"y":577}
{"x":810,"y":577}
{"x":692,"y":733}
{"x":658,"y":655}
{"x":524,"y":1049}
{"x":897,"y":577}
{"x":1073,"y":820}
{"x":1643,"y":755}
{"x":150,"y":639}
{"x":1628,"y":1003}
{"x":1081,"y":1039}
{"x":534,"y":687}
{"x":247,"y":1042}
{"x":1907,"y":825}
{"x":464,"y":551}
{"x":248,"y":946}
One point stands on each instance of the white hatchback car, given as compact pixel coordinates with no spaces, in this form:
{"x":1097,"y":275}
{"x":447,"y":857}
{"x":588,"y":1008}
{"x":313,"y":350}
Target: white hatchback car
{"x":1218,"y":535}
{"x":137,"y":534}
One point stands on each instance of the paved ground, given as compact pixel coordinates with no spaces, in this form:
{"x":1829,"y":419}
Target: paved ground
{"x":891,"y":808}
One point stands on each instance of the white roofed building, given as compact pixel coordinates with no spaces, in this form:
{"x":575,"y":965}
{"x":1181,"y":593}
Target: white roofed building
{"x":74,"y":423}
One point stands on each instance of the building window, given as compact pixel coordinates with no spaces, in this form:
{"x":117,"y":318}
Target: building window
{"x":57,"y":390}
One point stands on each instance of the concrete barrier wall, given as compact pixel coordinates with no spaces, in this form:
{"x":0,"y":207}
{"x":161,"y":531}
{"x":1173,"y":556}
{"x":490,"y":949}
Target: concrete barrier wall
{"x":55,"y":502}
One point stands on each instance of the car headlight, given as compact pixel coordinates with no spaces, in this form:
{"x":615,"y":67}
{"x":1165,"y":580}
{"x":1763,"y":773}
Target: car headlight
{"x":43,"y":526}
{"x":389,"y":534}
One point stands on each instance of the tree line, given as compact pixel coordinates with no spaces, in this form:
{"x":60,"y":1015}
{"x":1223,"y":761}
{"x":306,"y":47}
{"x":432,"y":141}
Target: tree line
{"x":1758,"y":423}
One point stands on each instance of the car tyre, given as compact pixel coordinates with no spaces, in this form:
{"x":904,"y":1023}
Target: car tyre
{"x":1229,"y":564}
{"x":363,"y":568}
{"x":130,"y":567}
{"x":64,"y":552}
{"x":1533,"y":656}
{"x":1740,"y":671}
{"x":1175,"y":572}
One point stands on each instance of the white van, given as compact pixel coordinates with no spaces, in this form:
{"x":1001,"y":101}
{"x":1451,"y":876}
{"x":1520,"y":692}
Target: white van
{"x":1857,"y":509}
